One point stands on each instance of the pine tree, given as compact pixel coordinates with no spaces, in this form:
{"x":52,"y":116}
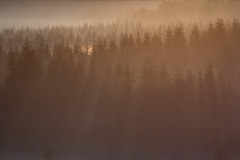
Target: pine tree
{"x":28,"y":66}
{"x":123,"y":43}
{"x":210,"y":84}
{"x":11,"y":61}
{"x":194,"y":44}
{"x":3,"y":67}
{"x":43,"y":54}
{"x":209,"y":36}
{"x":220,"y":33}
{"x":138,"y":40}
{"x":78,"y":54}
{"x":234,"y":35}
{"x":147,"y":43}
{"x":179,"y":45}
{"x":157,"y":44}
{"x":113,"y":48}
{"x":168,"y":45}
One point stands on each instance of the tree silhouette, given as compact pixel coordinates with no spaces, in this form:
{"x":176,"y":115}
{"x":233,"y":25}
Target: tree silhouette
{"x":195,"y":44}
{"x":43,"y":54}
{"x":179,"y":44}
{"x":131,"y":88}
{"x":28,"y":66}
{"x":168,"y":44}
{"x":3,"y":67}
{"x":157,"y":44}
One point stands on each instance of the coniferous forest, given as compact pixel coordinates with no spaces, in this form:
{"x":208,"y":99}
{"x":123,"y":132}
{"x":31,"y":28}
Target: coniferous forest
{"x":122,"y":91}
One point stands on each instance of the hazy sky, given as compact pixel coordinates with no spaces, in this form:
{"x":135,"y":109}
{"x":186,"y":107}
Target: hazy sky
{"x":42,"y":13}
{"x":48,"y":13}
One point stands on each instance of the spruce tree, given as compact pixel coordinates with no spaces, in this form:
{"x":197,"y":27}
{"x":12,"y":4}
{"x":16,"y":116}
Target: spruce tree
{"x":194,"y":44}
{"x":3,"y":67}
{"x":168,"y":45}
{"x":28,"y":67}
{"x":179,"y":45}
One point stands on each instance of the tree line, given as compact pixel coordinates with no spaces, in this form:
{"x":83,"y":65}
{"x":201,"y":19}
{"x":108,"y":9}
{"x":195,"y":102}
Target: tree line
{"x":153,"y":93}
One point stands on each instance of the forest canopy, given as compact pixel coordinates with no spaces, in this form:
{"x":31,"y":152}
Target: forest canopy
{"x":124,"y":89}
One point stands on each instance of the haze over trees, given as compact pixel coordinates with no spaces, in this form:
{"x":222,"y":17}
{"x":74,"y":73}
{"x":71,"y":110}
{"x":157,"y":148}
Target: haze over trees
{"x":121,"y":90}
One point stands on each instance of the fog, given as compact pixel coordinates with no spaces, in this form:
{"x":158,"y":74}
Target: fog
{"x":119,"y":80}
{"x":47,"y":13}
{"x":74,"y":13}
